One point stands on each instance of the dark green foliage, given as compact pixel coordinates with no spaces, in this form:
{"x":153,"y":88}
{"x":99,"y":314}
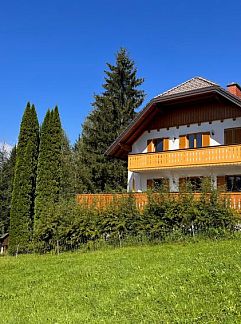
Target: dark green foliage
{"x":23,"y":195}
{"x":7,"y":166}
{"x":67,"y":169}
{"x":165,"y":217}
{"x":49,"y":173}
{"x":112,"y":112}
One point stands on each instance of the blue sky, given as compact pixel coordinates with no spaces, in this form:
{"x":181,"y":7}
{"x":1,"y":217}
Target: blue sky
{"x":54,"y":52}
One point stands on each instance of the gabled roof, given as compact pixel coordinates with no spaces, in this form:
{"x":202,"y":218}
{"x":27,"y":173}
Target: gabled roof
{"x":190,"y":90}
{"x":189,"y":85}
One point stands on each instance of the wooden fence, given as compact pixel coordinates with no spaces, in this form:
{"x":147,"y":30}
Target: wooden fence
{"x":141,"y":199}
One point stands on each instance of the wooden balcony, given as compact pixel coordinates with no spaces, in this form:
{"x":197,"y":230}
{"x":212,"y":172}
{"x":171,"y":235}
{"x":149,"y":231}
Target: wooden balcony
{"x":187,"y":158}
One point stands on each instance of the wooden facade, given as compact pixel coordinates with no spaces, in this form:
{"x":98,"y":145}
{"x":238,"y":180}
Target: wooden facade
{"x":193,"y":113}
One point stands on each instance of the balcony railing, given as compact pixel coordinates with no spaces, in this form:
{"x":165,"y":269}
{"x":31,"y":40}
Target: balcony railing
{"x":187,"y":158}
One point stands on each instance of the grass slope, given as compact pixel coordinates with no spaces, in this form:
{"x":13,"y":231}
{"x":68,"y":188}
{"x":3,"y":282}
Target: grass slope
{"x":170,"y":283}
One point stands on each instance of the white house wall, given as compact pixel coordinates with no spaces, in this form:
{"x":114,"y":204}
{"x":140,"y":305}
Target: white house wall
{"x":216,"y":129}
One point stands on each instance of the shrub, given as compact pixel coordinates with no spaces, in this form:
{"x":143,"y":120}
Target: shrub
{"x":69,"y":226}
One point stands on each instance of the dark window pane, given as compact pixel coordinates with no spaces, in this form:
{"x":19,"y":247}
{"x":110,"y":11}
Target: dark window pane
{"x":238,"y":183}
{"x":159,"y":145}
{"x":158,"y":184}
{"x":199,"y":140}
{"x":230,"y":183}
{"x":196,"y":183}
{"x":191,"y":140}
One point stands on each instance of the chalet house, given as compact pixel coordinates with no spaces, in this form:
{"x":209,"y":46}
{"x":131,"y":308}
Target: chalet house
{"x":188,"y":132}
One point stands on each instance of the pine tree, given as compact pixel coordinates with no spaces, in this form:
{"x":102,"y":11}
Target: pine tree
{"x":23,"y":195}
{"x":112,"y":112}
{"x":48,"y":188}
{"x":6,"y":187}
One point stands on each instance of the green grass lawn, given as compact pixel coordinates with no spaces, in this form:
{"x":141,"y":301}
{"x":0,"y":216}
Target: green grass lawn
{"x":169,"y":283}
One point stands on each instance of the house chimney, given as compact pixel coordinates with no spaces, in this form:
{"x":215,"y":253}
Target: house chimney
{"x":235,"y":89}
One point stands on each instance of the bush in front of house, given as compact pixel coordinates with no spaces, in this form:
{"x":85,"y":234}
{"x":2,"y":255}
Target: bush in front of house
{"x":70,"y":226}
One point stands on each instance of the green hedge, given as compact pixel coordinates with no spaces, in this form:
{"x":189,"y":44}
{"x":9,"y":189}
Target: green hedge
{"x":69,"y":226}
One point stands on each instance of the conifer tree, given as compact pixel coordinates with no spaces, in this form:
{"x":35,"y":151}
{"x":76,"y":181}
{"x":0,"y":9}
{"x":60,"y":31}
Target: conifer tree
{"x":112,"y":112}
{"x":6,"y":187}
{"x":67,"y":169}
{"x":48,"y":186}
{"x":23,"y":195}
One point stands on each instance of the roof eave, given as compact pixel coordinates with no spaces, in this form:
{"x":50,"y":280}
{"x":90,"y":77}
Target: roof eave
{"x":168,"y":98}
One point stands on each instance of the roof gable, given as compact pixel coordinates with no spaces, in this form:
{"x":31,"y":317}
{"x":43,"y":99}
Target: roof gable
{"x":190,"y":91}
{"x":189,"y":85}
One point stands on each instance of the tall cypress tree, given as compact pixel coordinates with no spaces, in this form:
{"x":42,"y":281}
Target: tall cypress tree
{"x":112,"y":112}
{"x":49,"y":172}
{"x":23,"y":195}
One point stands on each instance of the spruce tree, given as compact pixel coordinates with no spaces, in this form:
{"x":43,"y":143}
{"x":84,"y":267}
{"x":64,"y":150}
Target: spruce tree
{"x":48,"y":188}
{"x":23,"y":195}
{"x":112,"y":111}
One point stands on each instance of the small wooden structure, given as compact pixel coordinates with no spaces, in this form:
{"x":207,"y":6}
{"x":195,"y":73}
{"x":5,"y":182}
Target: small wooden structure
{"x":4,"y":243}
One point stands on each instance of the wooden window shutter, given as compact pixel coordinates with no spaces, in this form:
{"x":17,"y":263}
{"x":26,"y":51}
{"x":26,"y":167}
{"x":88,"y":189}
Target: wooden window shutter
{"x":150,"y":184}
{"x":237,"y":135}
{"x":221,"y":183}
{"x":150,"y":146}
{"x":232,"y":136}
{"x":182,"y":142}
{"x":206,"y":139}
{"x":228,"y":136}
{"x":165,"y":144}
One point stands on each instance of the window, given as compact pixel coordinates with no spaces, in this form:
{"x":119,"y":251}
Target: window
{"x":196,"y":183}
{"x":232,"y":136}
{"x":199,"y":140}
{"x":193,"y":183}
{"x":157,"y":184}
{"x":195,"y":140}
{"x":233,"y":183}
{"x":157,"y":145}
